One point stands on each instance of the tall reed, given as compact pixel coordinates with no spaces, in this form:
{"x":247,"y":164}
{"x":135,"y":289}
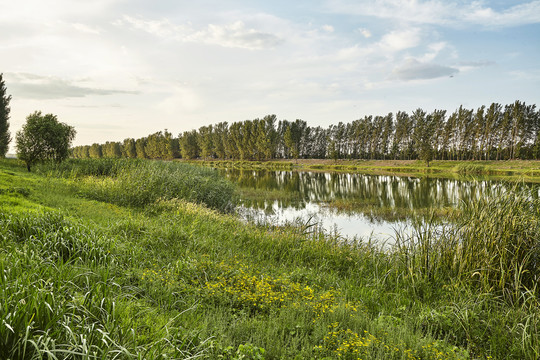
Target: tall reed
{"x":493,"y":245}
{"x":139,"y":183}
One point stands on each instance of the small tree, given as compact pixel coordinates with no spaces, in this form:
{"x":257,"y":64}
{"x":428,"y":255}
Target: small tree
{"x":43,"y":138}
{"x":5,"y":137}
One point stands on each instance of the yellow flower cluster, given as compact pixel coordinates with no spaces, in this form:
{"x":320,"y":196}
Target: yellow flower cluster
{"x":248,"y":289}
{"x":158,"y":275}
{"x":347,"y":344}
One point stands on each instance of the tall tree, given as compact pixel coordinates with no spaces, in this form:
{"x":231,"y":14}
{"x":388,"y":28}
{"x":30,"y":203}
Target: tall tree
{"x":424,"y":134}
{"x":95,"y":151}
{"x":220,"y":139}
{"x":189,"y":145}
{"x":43,"y":138}
{"x":172,"y":146}
{"x":128,"y":148}
{"x":140,"y":146}
{"x":493,"y":119}
{"x":5,"y":137}
{"x":205,"y":141}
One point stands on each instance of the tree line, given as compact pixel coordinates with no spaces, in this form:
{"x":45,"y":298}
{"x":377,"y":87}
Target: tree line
{"x":494,"y":132}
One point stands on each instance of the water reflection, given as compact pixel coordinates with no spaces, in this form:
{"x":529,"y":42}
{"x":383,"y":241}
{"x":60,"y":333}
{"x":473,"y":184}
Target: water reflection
{"x":356,"y":204}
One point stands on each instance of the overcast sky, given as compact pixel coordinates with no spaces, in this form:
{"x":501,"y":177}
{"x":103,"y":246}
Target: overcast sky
{"x":116,"y":68}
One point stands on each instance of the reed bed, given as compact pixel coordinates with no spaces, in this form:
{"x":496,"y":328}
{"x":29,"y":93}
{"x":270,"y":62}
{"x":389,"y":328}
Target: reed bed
{"x":138,"y":183}
{"x":494,"y":245}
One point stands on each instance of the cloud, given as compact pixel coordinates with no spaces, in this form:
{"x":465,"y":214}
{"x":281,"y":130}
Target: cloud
{"x":439,"y":12}
{"x":434,"y":49}
{"x":328,"y":28}
{"x":365,"y":32}
{"x":528,"y":13}
{"x":181,"y":99}
{"x":401,"y":39}
{"x":85,"y":29}
{"x":469,"y":65}
{"x":32,"y":86}
{"x":233,"y":35}
{"x":416,"y":70}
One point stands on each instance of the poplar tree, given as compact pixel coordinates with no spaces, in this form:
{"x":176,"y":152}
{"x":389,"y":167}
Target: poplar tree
{"x":5,"y":137}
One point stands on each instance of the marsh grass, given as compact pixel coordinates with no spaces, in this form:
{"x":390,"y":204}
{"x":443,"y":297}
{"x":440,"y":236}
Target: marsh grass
{"x":138,"y":183}
{"x":493,"y":245}
{"x":175,"y":279}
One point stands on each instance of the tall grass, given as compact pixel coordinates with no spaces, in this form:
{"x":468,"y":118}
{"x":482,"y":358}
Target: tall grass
{"x":138,"y":183}
{"x":493,"y":245}
{"x":470,"y":169}
{"x":59,"y":298}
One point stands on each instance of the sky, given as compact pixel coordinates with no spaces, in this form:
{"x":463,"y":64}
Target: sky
{"x":115,"y":69}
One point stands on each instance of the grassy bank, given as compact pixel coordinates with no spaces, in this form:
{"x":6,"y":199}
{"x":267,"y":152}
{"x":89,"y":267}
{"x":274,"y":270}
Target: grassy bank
{"x":511,"y":169}
{"x":89,"y":276}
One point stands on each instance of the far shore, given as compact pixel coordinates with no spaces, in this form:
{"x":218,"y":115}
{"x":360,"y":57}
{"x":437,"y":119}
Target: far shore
{"x":528,"y":170}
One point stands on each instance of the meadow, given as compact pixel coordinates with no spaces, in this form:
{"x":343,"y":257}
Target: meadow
{"x":110,"y":259}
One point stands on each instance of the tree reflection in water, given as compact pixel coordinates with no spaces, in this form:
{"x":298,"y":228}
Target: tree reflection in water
{"x":355,"y":204}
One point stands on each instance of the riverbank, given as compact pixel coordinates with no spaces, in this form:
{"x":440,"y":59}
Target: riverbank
{"x":87,"y":272}
{"x":528,"y":170}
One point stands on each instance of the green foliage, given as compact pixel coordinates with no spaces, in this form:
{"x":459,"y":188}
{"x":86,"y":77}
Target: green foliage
{"x":243,"y":352}
{"x":184,"y":281}
{"x":493,"y":246}
{"x":60,"y":297}
{"x":112,"y":150}
{"x":5,"y":137}
{"x":487,"y":133}
{"x":471,"y":169}
{"x":140,"y":183}
{"x":43,"y":138}
{"x":128,"y":149}
{"x":95,"y":151}
{"x":189,"y":146}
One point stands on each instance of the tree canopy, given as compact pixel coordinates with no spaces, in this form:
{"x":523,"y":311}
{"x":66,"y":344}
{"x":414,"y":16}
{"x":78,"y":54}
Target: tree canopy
{"x":5,"y":137}
{"x":494,"y":132}
{"x":43,"y":138}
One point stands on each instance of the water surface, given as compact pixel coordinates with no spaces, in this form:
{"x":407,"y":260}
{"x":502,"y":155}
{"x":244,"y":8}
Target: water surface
{"x":353,"y":205}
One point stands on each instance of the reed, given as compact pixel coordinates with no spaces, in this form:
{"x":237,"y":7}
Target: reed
{"x":139,"y":183}
{"x":492,"y":245}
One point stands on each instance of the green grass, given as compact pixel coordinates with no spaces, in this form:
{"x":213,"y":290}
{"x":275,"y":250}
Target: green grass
{"x":89,"y":279}
{"x":137,"y":183}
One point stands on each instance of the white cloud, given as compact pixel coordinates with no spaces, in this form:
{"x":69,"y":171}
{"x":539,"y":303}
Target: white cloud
{"x":233,"y":35}
{"x":182,"y":99}
{"x":32,"y":86}
{"x":365,"y":33}
{"x":400,"y":39}
{"x":434,"y":50}
{"x":85,"y":29}
{"x":328,"y":28}
{"x":39,"y":10}
{"x":464,"y":66}
{"x":528,"y":13}
{"x":439,"y":12}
